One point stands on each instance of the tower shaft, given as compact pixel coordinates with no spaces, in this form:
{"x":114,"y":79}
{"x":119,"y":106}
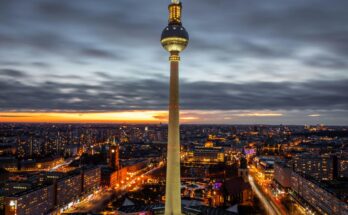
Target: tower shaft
{"x":174,"y":39}
{"x":173,"y":187}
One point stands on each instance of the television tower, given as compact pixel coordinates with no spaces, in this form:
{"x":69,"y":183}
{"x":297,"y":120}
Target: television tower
{"x":174,"y":39}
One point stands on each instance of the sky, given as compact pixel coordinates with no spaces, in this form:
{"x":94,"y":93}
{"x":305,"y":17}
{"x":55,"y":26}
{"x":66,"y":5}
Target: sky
{"x":248,"y":62}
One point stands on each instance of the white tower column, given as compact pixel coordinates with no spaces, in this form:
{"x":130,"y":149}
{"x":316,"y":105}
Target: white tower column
{"x":173,"y":185}
{"x":174,"y":39}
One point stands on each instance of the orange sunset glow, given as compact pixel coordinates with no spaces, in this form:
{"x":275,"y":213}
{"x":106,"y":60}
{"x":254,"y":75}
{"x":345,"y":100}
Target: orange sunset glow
{"x":105,"y":117}
{"x":135,"y":116}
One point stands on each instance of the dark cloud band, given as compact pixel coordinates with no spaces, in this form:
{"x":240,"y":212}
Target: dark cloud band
{"x":110,"y":94}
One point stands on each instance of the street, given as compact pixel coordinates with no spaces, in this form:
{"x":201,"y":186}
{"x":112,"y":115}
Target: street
{"x":95,"y":202}
{"x":268,"y":205}
{"x":262,"y":188}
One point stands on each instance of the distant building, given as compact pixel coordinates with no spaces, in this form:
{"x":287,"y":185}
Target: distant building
{"x":9,"y":163}
{"x":265,"y":165}
{"x":342,"y":165}
{"x":71,"y":150}
{"x":206,"y":154}
{"x":320,"y":167}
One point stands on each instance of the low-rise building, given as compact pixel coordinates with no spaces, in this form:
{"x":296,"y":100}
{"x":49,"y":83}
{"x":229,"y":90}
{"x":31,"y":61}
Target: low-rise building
{"x":266,"y":166}
{"x":236,"y":190}
{"x":206,"y":154}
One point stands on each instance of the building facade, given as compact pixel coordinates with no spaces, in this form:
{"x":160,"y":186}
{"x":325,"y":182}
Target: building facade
{"x":39,"y":200}
{"x":91,"y":178}
{"x":282,"y":175}
{"x":68,"y":188}
{"x":320,"y":167}
{"x":207,"y":154}
{"x":316,"y":196}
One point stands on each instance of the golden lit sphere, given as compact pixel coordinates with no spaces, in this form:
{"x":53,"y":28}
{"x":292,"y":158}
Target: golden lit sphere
{"x":174,"y":38}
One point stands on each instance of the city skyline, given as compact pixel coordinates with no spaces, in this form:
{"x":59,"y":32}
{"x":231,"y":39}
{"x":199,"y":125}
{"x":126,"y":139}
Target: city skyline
{"x":96,"y":118}
{"x":273,"y":63}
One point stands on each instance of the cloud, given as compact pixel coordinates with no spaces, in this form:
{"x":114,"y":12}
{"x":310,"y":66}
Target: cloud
{"x":161,"y":117}
{"x":324,"y":61}
{"x":41,"y":64}
{"x":12,"y":73}
{"x":111,"y":93}
{"x":270,"y":29}
{"x":103,"y":75}
{"x":256,"y":114}
{"x":274,"y":55}
{"x":98,"y":53}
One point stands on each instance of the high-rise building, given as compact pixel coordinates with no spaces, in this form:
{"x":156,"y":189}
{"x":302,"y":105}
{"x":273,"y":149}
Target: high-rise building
{"x":91,"y":178}
{"x":318,"y":196}
{"x":342,"y":165}
{"x":68,"y":188}
{"x":38,"y":200}
{"x":282,"y":174}
{"x":320,"y":167}
{"x":174,"y":39}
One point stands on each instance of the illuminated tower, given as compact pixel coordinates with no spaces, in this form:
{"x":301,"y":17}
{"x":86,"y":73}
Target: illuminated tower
{"x":174,"y":39}
{"x":114,"y":153}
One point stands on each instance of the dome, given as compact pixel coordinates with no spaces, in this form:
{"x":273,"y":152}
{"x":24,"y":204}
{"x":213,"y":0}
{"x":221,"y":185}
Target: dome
{"x":174,"y":38}
{"x":174,"y":31}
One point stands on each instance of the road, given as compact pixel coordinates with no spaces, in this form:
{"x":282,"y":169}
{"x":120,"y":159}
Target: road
{"x":270,"y":207}
{"x":94,"y":203}
{"x":65,"y":163}
{"x":263,"y":185}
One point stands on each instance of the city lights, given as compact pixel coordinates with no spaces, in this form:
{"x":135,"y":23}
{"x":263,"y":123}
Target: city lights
{"x":96,"y":117}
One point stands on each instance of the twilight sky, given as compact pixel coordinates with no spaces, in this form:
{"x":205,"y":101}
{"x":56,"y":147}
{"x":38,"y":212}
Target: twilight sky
{"x":248,"y":61}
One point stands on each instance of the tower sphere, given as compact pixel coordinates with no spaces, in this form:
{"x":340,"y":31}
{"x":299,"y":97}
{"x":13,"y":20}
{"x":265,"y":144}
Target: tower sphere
{"x":174,"y":38}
